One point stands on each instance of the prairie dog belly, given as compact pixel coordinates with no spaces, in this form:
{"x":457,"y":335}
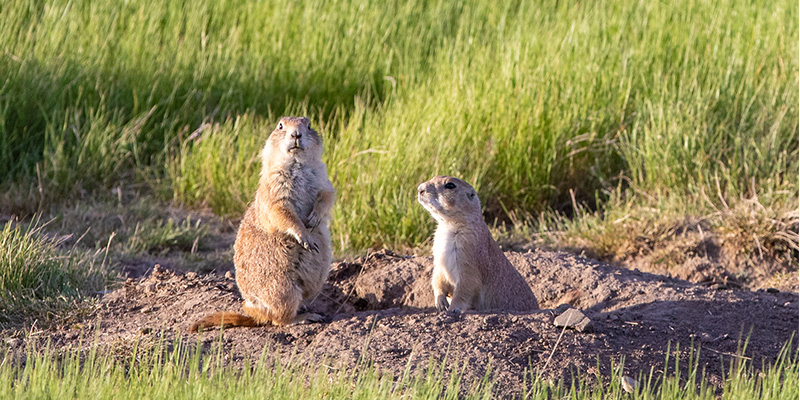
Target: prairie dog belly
{"x":447,"y":254}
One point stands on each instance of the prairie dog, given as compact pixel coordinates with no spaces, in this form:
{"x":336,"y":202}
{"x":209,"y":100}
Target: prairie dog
{"x":468,"y":265}
{"x":282,"y":253}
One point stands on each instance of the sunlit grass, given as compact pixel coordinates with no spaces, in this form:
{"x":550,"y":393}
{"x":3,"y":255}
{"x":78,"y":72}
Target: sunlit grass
{"x":536,"y":104}
{"x":179,"y":371}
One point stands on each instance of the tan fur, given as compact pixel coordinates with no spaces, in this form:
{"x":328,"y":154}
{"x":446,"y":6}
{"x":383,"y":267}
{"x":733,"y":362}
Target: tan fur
{"x":469,"y":266}
{"x":282,"y":252}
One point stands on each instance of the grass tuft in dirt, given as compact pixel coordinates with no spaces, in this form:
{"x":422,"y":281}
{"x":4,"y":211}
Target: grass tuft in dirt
{"x":39,"y":278}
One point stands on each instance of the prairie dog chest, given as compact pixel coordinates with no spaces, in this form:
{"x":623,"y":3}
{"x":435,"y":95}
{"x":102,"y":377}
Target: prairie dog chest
{"x":297,"y":184}
{"x":448,"y":252}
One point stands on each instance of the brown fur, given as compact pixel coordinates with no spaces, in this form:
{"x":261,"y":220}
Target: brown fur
{"x":282,"y":252}
{"x":469,"y":266}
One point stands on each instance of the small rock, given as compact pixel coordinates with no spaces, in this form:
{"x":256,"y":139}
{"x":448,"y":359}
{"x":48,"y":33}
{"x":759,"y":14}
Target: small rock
{"x":574,"y":319}
{"x":773,"y":290}
{"x":147,"y":309}
{"x":629,"y":384}
{"x":228,"y":275}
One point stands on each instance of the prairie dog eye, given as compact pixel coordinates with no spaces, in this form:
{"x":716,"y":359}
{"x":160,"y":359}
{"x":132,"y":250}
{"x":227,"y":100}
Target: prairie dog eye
{"x":280,"y":125}
{"x":449,"y":185}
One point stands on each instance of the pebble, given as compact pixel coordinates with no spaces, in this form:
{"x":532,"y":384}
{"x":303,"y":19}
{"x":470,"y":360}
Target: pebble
{"x":228,"y":275}
{"x":574,"y":319}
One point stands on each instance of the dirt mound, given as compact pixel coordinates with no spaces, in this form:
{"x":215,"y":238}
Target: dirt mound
{"x":379,"y":308}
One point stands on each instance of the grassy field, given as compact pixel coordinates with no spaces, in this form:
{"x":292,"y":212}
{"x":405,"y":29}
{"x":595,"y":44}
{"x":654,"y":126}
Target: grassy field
{"x":685,"y":105}
{"x":599,"y":127}
{"x":158,"y":372}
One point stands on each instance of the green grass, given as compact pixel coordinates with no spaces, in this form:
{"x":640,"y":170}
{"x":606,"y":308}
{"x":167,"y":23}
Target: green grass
{"x":177,"y":372}
{"x":595,"y":126}
{"x":533,"y":103}
{"x":39,"y":279}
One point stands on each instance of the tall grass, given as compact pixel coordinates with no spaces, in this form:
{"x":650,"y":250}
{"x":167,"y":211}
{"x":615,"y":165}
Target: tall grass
{"x":177,"y":372}
{"x":533,"y":103}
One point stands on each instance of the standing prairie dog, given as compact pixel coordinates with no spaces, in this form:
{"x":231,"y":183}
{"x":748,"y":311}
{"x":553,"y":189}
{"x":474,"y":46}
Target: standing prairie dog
{"x":282,"y":252}
{"x":468,"y":266}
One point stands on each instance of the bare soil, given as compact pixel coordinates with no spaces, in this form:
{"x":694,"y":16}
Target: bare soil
{"x":379,"y":309}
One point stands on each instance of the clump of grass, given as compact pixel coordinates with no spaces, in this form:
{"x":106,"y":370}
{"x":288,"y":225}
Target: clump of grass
{"x":177,"y":371}
{"x":38,"y":278}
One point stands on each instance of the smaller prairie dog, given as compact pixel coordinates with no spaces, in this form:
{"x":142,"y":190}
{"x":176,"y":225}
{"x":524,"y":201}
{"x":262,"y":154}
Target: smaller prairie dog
{"x":468,"y":265}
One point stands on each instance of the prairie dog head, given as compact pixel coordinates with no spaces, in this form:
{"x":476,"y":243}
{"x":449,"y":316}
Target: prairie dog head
{"x":449,"y":200}
{"x":292,"y":139}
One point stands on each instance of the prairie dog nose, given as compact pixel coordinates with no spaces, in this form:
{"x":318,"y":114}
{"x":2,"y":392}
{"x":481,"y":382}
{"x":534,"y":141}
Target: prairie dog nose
{"x":295,"y":134}
{"x":421,"y":188}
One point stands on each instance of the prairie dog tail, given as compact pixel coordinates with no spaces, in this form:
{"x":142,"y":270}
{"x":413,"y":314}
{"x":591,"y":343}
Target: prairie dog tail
{"x":223,"y":319}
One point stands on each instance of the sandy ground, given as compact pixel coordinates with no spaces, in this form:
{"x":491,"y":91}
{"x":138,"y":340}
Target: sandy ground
{"x":379,"y":309}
